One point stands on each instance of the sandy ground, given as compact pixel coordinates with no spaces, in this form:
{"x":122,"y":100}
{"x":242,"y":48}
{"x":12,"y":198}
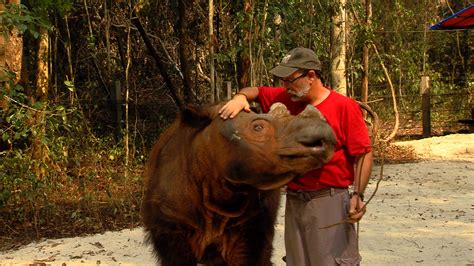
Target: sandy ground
{"x":422,"y":214}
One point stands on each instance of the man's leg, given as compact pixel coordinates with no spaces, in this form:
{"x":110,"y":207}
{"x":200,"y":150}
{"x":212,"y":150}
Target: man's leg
{"x":294,"y":239}
{"x":308,"y":243}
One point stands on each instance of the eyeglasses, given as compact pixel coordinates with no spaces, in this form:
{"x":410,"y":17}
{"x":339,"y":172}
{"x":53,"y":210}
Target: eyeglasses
{"x":295,"y":79}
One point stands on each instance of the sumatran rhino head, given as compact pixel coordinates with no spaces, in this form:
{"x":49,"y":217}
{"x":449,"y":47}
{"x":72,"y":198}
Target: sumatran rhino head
{"x":266,"y":151}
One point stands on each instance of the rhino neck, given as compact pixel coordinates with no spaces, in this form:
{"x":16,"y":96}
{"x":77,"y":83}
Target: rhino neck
{"x":209,"y":153}
{"x":221,"y":198}
{"x":206,"y":155}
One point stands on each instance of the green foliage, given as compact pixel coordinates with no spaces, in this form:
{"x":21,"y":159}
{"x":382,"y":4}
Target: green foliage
{"x":409,"y":50}
{"x":267,"y":30}
{"x":66,"y":188}
{"x":15,"y":129}
{"x":19,"y":183}
{"x":21,"y":18}
{"x":70,"y":145}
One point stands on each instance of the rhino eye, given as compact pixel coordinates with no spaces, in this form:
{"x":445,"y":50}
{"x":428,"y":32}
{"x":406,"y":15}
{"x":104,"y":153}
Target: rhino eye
{"x":258,"y":127}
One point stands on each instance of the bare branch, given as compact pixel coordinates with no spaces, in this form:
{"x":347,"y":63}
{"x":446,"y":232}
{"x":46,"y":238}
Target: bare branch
{"x":158,"y":61}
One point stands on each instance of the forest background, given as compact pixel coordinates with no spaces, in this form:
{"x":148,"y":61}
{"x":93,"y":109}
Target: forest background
{"x":87,"y":86}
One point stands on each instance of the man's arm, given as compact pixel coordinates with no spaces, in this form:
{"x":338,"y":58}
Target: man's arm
{"x":363,"y":170}
{"x":239,"y":102}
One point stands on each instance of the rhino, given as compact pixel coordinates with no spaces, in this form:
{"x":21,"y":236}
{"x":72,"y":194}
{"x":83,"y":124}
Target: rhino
{"x":213,"y":186}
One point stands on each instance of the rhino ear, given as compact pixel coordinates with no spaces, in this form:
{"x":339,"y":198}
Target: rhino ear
{"x":197,"y":117}
{"x":311,"y":111}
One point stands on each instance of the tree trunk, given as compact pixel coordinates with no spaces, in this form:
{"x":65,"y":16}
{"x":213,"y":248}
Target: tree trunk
{"x":42,"y":78}
{"x":365,"y":56}
{"x":185,"y":48}
{"x":211,"y":52}
{"x":127,"y":99}
{"x":243,"y":56}
{"x":338,"y":49}
{"x":39,"y":151}
{"x":390,"y":84}
{"x":11,"y":52}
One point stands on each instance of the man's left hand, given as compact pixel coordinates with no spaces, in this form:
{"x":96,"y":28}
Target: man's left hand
{"x":356,"y":209}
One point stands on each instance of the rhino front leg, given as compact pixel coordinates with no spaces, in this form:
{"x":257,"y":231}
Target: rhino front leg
{"x":252,"y":243}
{"x":171,"y":249}
{"x":248,"y":250}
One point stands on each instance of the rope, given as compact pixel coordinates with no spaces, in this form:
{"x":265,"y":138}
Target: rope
{"x":375,"y":127}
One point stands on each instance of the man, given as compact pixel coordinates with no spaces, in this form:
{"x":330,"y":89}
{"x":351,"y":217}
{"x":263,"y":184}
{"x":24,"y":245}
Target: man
{"x":320,"y":212}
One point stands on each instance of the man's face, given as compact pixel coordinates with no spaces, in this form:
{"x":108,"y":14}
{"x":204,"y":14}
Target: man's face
{"x":296,"y":85}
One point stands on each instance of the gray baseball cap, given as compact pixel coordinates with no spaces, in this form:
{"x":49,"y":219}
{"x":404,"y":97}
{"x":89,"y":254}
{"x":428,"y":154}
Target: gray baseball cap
{"x":298,"y":58}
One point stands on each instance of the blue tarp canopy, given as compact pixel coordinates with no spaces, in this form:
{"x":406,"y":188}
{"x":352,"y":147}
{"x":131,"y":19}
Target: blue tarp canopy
{"x":464,"y":19}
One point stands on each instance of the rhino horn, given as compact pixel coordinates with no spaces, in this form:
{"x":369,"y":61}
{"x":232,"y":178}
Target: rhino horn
{"x":278,"y":110}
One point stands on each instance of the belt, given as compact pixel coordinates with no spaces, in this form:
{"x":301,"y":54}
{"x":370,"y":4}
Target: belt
{"x":312,"y":194}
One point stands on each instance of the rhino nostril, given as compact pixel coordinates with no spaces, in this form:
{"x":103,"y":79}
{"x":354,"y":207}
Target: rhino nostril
{"x":312,"y":143}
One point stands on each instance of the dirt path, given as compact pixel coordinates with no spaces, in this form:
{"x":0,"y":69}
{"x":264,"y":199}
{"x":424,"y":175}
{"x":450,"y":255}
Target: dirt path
{"x":423,"y":214}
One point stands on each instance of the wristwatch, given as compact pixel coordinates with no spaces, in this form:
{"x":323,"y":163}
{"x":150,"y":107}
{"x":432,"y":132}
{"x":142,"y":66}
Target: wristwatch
{"x":361,"y":195}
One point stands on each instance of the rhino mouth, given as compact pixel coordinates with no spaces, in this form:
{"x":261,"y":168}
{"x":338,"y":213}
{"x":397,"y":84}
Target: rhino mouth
{"x":309,"y":149}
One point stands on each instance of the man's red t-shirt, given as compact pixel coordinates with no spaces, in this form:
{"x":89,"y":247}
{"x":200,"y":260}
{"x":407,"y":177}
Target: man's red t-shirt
{"x":345,"y":117}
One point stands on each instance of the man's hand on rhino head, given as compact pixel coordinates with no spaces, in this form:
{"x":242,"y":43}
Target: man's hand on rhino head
{"x":234,"y":106}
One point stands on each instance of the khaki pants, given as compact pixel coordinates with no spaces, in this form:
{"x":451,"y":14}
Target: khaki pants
{"x":306,"y":242}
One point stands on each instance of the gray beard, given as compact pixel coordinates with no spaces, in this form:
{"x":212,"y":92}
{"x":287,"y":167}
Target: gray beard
{"x":297,"y":96}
